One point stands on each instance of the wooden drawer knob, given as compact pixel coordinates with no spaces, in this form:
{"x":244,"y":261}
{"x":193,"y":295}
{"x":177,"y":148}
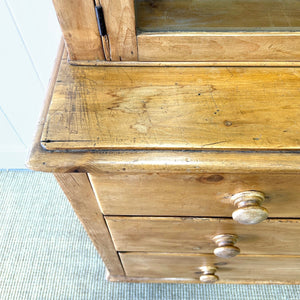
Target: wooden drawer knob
{"x":225,"y":243}
{"x":208,"y":275}
{"x":249,"y":210}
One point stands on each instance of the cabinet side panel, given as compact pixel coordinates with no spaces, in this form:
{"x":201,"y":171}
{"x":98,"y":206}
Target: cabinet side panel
{"x":80,"y":194}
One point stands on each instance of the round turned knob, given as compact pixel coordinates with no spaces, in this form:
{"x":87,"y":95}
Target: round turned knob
{"x":225,"y":243}
{"x":208,"y":275}
{"x":249,"y":210}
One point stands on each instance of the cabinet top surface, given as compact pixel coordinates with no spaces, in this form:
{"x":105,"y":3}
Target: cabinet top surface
{"x":174,"y":108}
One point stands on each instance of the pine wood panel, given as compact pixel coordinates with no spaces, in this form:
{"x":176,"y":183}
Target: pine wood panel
{"x":182,"y":15}
{"x":161,"y":234}
{"x":193,"y":194}
{"x":78,"y":22}
{"x":242,"y":268}
{"x":120,"y":24}
{"x":152,"y":161}
{"x":178,"y":108}
{"x":219,"y":46}
{"x":80,"y":194}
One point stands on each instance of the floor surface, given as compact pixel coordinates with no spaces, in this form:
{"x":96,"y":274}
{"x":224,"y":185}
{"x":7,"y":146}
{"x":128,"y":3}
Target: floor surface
{"x":46,"y":254}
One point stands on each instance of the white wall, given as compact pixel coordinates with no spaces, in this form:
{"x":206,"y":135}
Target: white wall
{"x":30,"y":36}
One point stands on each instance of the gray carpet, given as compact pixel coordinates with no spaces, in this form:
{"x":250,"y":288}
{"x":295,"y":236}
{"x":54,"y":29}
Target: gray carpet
{"x":46,"y":254}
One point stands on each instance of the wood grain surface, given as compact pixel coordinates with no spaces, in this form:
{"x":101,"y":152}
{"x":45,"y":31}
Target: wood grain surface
{"x":78,"y":23}
{"x":242,"y":268}
{"x":233,"y":46}
{"x":178,"y":108}
{"x":218,"y":15}
{"x":175,"y":162}
{"x":161,"y":234}
{"x":120,"y":24}
{"x":193,"y":194}
{"x":80,"y":194}
{"x":209,"y":30}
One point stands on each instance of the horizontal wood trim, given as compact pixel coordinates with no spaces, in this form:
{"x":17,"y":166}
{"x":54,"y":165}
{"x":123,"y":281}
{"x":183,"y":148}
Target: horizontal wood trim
{"x":193,"y":194}
{"x":173,"y":234}
{"x":128,"y":279}
{"x":219,"y":46}
{"x":185,"y":63}
{"x":241,"y":268}
{"x":175,"y":162}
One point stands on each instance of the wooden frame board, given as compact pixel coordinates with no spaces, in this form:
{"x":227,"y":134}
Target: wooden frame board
{"x":125,"y":43}
{"x":219,"y":47}
{"x":78,"y":23}
{"x":120,"y":24}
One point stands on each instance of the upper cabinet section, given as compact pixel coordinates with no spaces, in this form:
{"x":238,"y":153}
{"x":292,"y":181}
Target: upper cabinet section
{"x":218,"y":30}
{"x":208,"y":31}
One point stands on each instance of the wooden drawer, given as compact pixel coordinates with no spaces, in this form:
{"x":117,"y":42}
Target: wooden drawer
{"x":193,"y":194}
{"x":243,"y":268}
{"x":160,"y":234}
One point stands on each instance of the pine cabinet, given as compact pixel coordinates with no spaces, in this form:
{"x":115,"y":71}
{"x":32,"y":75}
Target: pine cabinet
{"x":175,"y":137}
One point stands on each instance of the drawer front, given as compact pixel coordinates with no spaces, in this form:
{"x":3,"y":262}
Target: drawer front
{"x":243,"y":268}
{"x":193,"y":194}
{"x":161,"y":234}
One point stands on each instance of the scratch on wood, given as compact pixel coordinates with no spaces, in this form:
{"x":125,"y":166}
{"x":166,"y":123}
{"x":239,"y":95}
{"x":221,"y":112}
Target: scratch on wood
{"x":210,"y":144}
